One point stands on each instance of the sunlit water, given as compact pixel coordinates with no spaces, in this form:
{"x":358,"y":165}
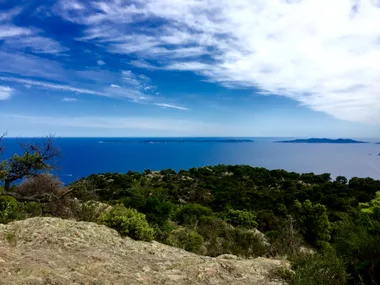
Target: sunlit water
{"x":84,"y":156}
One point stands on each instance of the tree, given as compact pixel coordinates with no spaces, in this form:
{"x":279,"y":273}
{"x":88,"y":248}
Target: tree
{"x":38,"y":156}
{"x":241,"y":218}
{"x":372,"y":206}
{"x":357,"y":241}
{"x":313,"y":223}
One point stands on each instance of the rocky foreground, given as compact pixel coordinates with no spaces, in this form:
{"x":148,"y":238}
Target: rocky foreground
{"x":56,"y":251}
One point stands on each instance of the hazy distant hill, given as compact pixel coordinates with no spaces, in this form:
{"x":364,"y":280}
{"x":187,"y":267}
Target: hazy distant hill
{"x":323,"y":140}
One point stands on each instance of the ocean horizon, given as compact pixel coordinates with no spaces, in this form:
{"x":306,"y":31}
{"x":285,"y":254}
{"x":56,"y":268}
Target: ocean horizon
{"x":81,"y":157}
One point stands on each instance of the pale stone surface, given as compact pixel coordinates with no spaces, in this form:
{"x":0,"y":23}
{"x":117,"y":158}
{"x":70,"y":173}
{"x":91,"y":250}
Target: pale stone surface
{"x":56,"y":251}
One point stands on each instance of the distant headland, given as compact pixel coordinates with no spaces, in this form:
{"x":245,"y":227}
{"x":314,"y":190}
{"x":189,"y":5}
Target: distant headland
{"x":179,"y":140}
{"x":323,"y":140}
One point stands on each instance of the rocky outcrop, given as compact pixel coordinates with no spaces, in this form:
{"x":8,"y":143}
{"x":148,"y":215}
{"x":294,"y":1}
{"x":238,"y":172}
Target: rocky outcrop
{"x":56,"y":251}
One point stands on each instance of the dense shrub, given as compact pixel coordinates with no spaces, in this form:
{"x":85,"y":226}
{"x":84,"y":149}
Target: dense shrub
{"x":285,"y":240}
{"x":357,"y":241}
{"x":51,"y":191}
{"x":313,"y":223}
{"x":187,"y":239}
{"x":319,"y":269}
{"x":242,"y":218}
{"x":89,"y":211}
{"x":190,"y":214}
{"x":9,"y":209}
{"x":222,"y":238}
{"x":128,"y":222}
{"x":42,"y":186}
{"x":32,"y":209}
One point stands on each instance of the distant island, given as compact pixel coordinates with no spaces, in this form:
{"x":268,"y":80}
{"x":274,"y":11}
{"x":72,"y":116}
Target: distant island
{"x":323,"y":140}
{"x":179,"y":141}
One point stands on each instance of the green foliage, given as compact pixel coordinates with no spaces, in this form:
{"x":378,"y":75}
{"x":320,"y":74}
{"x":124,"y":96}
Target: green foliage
{"x":241,"y":218}
{"x":32,"y":209}
{"x":187,"y":239}
{"x":285,"y":240}
{"x":319,"y":269}
{"x":245,"y":198}
{"x":357,"y":241}
{"x":190,"y":214}
{"x":128,"y":222}
{"x":89,"y":211}
{"x":9,"y":209}
{"x":313,"y":223}
{"x":371,"y":206}
{"x":222,"y":238}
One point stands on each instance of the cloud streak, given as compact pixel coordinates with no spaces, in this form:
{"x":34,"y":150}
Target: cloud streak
{"x":5,"y":92}
{"x":98,"y":122}
{"x":329,"y":63}
{"x":165,"y":105}
{"x":25,"y":38}
{"x":69,"y":99}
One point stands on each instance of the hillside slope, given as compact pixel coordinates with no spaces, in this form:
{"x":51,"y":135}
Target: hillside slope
{"x":56,"y":251}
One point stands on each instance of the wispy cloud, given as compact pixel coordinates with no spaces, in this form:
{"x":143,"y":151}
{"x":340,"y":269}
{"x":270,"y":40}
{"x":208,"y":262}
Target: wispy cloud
{"x":330,"y":63}
{"x":141,"y":123}
{"x":69,"y":99}
{"x":7,"y":31}
{"x":30,"y":65}
{"x":53,"y":86}
{"x":165,"y":105}
{"x":129,"y":91}
{"x":101,"y":62}
{"x":8,"y":15}
{"x":36,"y":44}
{"x":25,"y":38}
{"x":5,"y":92}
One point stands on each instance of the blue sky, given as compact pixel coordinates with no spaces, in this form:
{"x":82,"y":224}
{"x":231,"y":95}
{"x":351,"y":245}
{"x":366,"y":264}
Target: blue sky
{"x":190,"y":68}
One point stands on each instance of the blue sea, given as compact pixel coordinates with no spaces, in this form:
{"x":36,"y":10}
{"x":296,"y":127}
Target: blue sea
{"x":84,"y":156}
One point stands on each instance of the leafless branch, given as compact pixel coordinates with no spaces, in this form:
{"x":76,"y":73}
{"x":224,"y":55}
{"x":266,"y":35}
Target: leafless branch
{"x":1,"y":143}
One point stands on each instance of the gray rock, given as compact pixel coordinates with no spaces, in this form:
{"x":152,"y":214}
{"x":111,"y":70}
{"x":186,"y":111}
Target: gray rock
{"x":56,"y":251}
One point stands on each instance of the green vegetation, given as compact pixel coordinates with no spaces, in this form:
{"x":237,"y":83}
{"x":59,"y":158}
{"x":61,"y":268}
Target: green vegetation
{"x":128,"y":222}
{"x":328,"y":229}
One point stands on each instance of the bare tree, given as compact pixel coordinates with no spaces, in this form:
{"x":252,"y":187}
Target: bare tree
{"x":1,"y":143}
{"x":38,"y":156}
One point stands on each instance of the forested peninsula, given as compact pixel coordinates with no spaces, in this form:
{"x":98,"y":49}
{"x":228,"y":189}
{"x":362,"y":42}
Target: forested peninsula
{"x":323,"y":140}
{"x":328,"y":229}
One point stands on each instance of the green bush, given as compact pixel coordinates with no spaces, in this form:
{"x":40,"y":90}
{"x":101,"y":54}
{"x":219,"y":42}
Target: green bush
{"x":32,"y":209}
{"x":241,"y":218}
{"x":187,"y":239}
{"x":222,"y":238}
{"x":319,"y":269}
{"x":313,"y":223}
{"x":9,"y":209}
{"x":89,"y":211}
{"x":191,"y":213}
{"x":162,"y":232}
{"x":128,"y":222}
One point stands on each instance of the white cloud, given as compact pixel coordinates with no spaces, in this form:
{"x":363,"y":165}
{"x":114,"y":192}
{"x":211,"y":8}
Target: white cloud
{"x":8,"y":15}
{"x":326,"y":55}
{"x":101,"y":62}
{"x":21,"y":38}
{"x":53,"y":86}
{"x":69,"y":99}
{"x":5,"y":92}
{"x":30,"y":65}
{"x":36,"y":44}
{"x":7,"y":31}
{"x":131,"y":94}
{"x":165,"y":105}
{"x":115,"y":86}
